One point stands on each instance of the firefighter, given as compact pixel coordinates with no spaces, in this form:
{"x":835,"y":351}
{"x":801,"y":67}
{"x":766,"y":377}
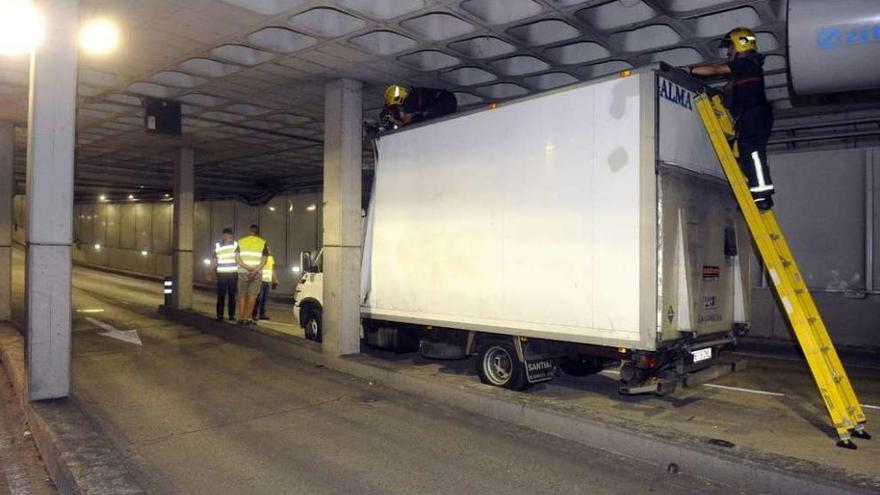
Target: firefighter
{"x":410,"y":105}
{"x":748,"y":104}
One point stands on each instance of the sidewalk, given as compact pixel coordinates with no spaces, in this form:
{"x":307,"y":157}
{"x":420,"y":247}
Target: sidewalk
{"x":22,"y":471}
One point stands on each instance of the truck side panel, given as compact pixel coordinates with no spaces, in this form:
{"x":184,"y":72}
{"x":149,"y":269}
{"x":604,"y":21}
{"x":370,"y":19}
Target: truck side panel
{"x":521,"y":220}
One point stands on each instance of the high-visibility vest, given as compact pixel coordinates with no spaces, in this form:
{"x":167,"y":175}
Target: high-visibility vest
{"x":225,"y":254}
{"x":267,"y":269}
{"x":250,"y":248}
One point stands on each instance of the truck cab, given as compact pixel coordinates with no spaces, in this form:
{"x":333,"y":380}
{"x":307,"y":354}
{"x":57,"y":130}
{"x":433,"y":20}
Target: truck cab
{"x":308,"y":296}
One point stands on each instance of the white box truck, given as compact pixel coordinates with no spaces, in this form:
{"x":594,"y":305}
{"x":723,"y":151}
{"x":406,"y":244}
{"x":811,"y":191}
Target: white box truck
{"x":584,"y":225}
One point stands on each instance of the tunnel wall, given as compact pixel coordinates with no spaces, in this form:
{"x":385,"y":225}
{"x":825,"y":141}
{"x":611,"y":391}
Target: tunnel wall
{"x":137,"y":236}
{"x":828,"y":202}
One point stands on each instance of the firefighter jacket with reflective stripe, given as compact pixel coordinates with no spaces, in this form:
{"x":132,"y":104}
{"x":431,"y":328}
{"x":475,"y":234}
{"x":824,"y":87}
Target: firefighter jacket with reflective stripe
{"x":251,"y":249}
{"x":267,"y":269}
{"x":225,"y":255}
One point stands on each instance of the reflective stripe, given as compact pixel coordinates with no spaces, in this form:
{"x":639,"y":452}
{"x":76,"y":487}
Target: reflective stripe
{"x":267,"y":269}
{"x":762,"y":188}
{"x":759,"y":174}
{"x":250,"y":250}
{"x":225,"y":254}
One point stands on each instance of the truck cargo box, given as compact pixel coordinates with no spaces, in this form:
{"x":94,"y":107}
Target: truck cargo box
{"x":595,"y":214}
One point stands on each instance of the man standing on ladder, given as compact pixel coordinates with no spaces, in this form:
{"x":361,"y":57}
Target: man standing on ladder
{"x":749,"y":106}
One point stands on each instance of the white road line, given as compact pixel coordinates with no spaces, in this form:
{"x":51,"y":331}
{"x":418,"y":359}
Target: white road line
{"x":90,"y":310}
{"x":867,"y":406}
{"x":613,"y":372}
{"x":748,"y":390}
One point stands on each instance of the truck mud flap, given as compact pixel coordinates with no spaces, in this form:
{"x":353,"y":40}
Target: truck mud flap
{"x":540,"y":370}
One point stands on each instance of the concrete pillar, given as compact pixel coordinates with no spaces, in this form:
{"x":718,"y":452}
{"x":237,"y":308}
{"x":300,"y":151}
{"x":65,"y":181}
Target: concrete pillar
{"x":51,"y":125}
{"x":343,"y":117}
{"x":7,"y":189}
{"x":184,"y":207}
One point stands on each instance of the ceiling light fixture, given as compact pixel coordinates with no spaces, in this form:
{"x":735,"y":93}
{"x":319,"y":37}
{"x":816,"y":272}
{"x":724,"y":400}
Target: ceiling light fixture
{"x":21,"y":27}
{"x":99,"y":37}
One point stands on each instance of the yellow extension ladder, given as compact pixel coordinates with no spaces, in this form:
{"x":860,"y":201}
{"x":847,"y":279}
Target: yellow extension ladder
{"x":794,"y":297}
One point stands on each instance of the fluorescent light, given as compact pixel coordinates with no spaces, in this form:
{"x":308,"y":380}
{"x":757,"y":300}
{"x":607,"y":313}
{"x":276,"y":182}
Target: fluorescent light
{"x":102,"y":197}
{"x":294,"y":269}
{"x":99,"y":37}
{"x":167,"y":195}
{"x":21,"y":27}
{"x":131,"y":196}
{"x":271,"y":208}
{"x":206,"y":261}
{"x":98,"y":247}
{"x":144,"y":252}
{"x":311,"y":208}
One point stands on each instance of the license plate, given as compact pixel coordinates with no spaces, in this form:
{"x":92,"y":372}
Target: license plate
{"x":702,"y":354}
{"x":540,"y":370}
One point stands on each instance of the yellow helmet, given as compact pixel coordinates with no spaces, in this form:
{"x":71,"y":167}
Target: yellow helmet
{"x":741,"y":39}
{"x":395,"y":94}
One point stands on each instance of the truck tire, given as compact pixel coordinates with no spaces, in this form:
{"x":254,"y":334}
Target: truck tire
{"x":580,"y":365}
{"x":498,"y":365}
{"x":312,"y":326}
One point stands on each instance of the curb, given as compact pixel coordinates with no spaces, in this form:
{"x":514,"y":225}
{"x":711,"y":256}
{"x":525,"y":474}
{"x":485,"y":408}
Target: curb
{"x":739,"y":467}
{"x":78,"y":458}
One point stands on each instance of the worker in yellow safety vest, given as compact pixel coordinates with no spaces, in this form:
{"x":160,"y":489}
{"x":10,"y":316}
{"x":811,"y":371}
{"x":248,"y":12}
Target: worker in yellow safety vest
{"x":251,"y":256}
{"x":224,"y":270}
{"x":270,"y":280}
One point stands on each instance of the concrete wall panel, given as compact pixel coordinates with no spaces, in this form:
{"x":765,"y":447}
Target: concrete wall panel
{"x":111,"y":217}
{"x":273,"y":228}
{"x":86,"y":224}
{"x":223,"y":216}
{"x":245,"y":216}
{"x":162,"y":223}
{"x":99,"y":225}
{"x":303,"y":233}
{"x":127,"y":226}
{"x":821,"y":207}
{"x":143,"y":226}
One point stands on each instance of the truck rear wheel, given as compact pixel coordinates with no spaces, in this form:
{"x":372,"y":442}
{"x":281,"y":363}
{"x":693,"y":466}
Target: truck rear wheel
{"x":312,"y":326}
{"x":498,"y":365}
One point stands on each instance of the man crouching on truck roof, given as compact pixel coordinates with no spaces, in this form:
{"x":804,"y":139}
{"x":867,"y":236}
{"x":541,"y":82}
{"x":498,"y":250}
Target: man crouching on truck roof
{"x":406,"y":105}
{"x":751,"y":110}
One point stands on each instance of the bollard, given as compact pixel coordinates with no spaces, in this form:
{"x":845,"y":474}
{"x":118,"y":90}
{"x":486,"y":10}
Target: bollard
{"x":168,"y":290}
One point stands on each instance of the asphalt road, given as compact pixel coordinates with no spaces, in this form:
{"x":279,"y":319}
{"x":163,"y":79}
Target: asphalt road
{"x":192,"y":413}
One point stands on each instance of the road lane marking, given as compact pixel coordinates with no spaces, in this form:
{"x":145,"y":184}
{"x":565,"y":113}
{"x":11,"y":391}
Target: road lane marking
{"x":613,"y":372}
{"x":129,"y":336}
{"x":748,"y":390}
{"x":90,"y":310}
{"x":867,"y":406}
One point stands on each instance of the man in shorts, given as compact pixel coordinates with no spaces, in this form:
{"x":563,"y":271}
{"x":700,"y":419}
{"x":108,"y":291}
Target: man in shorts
{"x":250,"y":256}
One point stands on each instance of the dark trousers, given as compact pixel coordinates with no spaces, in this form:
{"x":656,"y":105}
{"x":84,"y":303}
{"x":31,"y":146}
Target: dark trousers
{"x":753,"y":132}
{"x":445,"y":105}
{"x":260,"y":307}
{"x":227,"y":286}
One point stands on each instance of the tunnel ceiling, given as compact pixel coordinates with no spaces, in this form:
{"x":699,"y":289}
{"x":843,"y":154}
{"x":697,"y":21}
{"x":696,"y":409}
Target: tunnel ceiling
{"x":250,"y":73}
